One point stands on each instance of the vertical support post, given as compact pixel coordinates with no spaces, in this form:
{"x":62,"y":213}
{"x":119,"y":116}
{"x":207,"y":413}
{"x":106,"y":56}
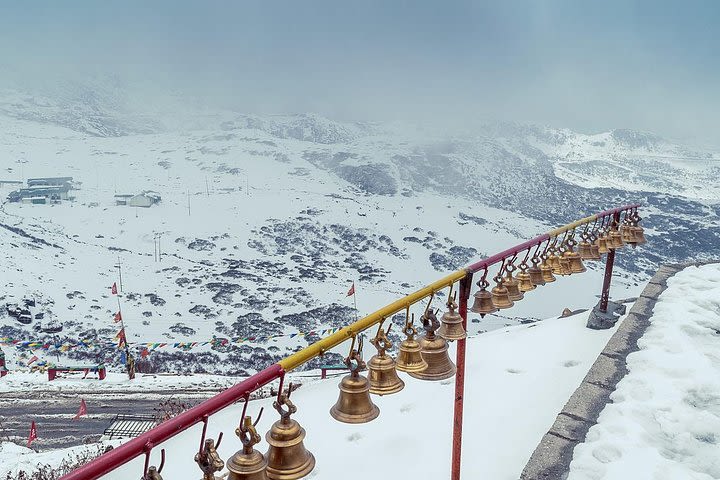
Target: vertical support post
{"x":465,"y":286}
{"x":609,"y":262}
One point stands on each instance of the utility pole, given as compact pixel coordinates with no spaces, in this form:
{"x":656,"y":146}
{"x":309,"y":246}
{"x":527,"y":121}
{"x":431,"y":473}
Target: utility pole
{"x":207,"y":187}
{"x":159,"y":235}
{"x":188,"y":196}
{"x":155,"y":247}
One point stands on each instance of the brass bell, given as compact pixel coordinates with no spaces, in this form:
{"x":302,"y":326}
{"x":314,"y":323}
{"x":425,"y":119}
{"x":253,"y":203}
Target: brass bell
{"x":354,"y":404}
{"x":409,"y":357}
{"x":575,"y":263}
{"x":248,"y":463}
{"x":547,"y":271}
{"x":554,"y":262}
{"x":627,"y":233}
{"x":483,"y":303}
{"x":383,"y":378}
{"x":434,"y":350}
{"x":640,"y":235}
{"x":594,"y":251}
{"x":615,"y":239}
{"x":585,"y":250}
{"x":512,"y":285}
{"x":500,"y":297}
{"x":562,"y":265}
{"x":451,"y":323}
{"x":639,"y":231}
{"x":287,"y":458}
{"x":536,"y":274}
{"x":602,"y":244}
{"x":525,"y":283}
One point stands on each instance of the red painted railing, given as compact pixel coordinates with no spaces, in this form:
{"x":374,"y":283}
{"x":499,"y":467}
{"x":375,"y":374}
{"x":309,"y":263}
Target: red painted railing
{"x":143,"y":444}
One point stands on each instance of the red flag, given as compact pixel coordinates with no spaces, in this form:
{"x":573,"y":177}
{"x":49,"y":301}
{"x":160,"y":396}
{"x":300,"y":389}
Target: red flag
{"x":82,"y":411}
{"x":144,"y":353}
{"x":113,"y":289}
{"x":34,"y":358}
{"x":118,"y":317}
{"x":121,"y":336}
{"x":33,"y":434}
{"x":352,"y":290}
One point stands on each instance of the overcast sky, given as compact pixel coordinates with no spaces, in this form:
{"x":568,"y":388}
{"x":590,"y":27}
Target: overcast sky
{"x":587,"y":65}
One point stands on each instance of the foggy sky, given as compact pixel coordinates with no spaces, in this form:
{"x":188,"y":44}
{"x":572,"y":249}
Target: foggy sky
{"x":586,"y":65}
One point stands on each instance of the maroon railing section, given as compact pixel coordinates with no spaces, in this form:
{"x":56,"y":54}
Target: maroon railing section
{"x":168,"y":429}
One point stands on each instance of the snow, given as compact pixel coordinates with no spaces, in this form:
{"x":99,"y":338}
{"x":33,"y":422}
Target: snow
{"x":15,"y":458}
{"x":16,"y":381}
{"x":664,"y":422}
{"x":518,"y":378}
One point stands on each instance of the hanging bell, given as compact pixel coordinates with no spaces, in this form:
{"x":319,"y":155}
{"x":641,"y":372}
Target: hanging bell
{"x":627,"y":234}
{"x":585,"y":250}
{"x":547,"y":272}
{"x":639,"y":234}
{"x":512,"y":285}
{"x":536,"y":275}
{"x":383,"y":378}
{"x":434,"y":350}
{"x":594,"y":251}
{"x":525,"y":283}
{"x":354,"y":404}
{"x":575,"y":262}
{"x":554,"y":262}
{"x":409,"y":357}
{"x":483,"y":303}
{"x":602,"y":244}
{"x":615,"y":240}
{"x":248,"y":463}
{"x":500,"y":297}
{"x":563,"y":266}
{"x":451,"y":323}
{"x":287,"y":458}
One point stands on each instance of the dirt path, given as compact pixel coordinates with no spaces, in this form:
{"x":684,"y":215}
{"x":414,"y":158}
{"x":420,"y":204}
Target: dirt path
{"x":53,"y":413}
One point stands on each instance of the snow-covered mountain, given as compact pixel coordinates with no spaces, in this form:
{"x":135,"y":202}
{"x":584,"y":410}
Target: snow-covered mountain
{"x":265,"y":220}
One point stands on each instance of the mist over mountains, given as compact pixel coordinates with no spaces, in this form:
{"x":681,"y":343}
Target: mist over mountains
{"x":263,"y":216}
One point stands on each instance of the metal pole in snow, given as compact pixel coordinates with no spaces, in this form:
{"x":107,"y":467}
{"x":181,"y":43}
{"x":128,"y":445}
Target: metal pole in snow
{"x":605,"y":294}
{"x":465,"y":285}
{"x":119,"y":267}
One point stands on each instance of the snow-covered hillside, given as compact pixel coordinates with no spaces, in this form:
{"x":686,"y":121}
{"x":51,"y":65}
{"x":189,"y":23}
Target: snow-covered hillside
{"x":266,"y":220}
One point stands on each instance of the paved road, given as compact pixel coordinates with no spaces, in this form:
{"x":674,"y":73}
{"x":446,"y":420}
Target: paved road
{"x":53,"y":413}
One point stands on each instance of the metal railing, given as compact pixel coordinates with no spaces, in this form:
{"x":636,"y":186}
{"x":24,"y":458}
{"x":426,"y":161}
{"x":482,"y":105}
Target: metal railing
{"x":144,"y":444}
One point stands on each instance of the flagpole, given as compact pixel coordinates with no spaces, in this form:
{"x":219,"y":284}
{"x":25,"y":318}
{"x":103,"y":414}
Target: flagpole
{"x":355,"y":301}
{"x":122,"y":327}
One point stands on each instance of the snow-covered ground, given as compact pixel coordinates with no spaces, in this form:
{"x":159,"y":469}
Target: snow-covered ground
{"x":518,"y":378}
{"x":15,"y":458}
{"x":664,"y":421}
{"x":18,"y":381}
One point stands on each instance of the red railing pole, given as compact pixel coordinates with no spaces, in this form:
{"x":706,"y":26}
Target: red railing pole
{"x":116,"y":457}
{"x":465,"y":285}
{"x":609,"y":262}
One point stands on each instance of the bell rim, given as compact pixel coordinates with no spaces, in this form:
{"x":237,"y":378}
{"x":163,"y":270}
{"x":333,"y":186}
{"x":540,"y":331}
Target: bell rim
{"x":355,"y":418}
{"x":296,"y":473}
{"x":395,"y":389}
{"x":435,"y":377}
{"x":423,"y":366}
